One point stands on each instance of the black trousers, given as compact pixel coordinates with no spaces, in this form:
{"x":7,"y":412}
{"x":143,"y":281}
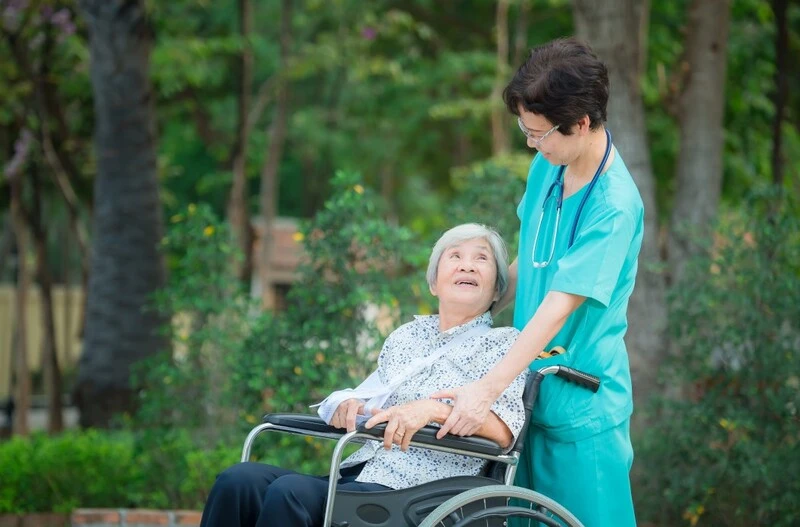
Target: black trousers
{"x":260,"y":495}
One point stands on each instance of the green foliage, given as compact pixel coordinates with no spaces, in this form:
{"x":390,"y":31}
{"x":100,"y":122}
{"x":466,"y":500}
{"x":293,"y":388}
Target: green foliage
{"x":725,"y":453}
{"x":73,"y":470}
{"x":101,"y":469}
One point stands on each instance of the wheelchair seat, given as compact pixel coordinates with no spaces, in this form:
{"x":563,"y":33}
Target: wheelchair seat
{"x":401,"y":507}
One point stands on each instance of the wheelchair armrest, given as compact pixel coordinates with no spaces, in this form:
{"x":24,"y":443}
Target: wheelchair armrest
{"x":308,"y":422}
{"x":427,"y":436}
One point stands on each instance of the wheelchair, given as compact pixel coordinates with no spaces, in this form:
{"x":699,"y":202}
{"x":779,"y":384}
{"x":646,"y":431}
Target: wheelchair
{"x":488,"y":499}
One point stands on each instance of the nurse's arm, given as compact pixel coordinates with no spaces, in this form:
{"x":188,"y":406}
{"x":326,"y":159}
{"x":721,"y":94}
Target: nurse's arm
{"x":548,"y":320}
{"x":508,"y":297}
{"x":473,"y":401}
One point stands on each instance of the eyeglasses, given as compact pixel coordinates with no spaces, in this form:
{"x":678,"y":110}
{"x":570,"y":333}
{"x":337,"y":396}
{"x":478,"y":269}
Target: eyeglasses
{"x":537,"y":141}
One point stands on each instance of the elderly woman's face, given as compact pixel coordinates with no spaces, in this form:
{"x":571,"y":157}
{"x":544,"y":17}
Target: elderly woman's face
{"x":467,"y":275}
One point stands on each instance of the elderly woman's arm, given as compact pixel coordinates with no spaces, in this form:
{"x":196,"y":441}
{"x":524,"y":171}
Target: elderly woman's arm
{"x":405,"y":420}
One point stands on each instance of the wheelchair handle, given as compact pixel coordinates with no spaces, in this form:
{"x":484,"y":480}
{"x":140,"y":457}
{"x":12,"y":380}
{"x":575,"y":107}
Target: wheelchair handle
{"x":578,"y":377}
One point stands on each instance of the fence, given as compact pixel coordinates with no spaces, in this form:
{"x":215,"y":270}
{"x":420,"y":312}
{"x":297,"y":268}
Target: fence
{"x":67,"y":312}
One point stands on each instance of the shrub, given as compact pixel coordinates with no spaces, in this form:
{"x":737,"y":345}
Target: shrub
{"x":89,"y":469}
{"x":725,"y":453}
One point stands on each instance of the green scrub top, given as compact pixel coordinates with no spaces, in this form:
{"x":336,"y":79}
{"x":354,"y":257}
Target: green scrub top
{"x":601,"y":266}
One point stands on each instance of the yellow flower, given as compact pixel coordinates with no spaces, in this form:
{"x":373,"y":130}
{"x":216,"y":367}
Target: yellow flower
{"x":298,"y":370}
{"x":358,"y":189}
{"x":208,"y":231}
{"x":176,"y":218}
{"x":192,"y":209}
{"x":727,"y":425}
{"x":319,"y":358}
{"x":298,"y":236}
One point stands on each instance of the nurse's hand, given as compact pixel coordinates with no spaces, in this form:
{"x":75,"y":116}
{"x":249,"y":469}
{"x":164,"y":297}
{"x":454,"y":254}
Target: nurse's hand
{"x":473,"y":402}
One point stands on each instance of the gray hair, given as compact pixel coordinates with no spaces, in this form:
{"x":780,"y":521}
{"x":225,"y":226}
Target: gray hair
{"x":471,"y":231}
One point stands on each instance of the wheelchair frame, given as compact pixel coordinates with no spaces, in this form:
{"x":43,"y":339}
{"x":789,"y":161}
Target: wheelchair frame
{"x":310,"y":425}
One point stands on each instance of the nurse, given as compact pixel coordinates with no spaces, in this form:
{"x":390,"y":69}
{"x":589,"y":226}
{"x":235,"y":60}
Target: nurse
{"x":581,"y":230}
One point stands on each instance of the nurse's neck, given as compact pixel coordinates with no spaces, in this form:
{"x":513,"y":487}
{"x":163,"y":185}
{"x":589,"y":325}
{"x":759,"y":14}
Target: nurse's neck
{"x":593,"y":148}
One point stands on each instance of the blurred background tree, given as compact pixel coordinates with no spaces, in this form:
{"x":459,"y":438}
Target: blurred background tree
{"x":117,"y":114}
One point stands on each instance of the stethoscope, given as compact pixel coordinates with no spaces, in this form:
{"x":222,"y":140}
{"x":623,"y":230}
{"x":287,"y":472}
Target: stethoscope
{"x":558,"y":186}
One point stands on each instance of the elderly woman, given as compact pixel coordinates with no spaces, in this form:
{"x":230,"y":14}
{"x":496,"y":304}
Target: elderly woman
{"x":467,"y":272}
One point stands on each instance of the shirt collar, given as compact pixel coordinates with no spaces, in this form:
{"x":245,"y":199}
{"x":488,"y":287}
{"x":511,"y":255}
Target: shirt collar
{"x":432,"y":321}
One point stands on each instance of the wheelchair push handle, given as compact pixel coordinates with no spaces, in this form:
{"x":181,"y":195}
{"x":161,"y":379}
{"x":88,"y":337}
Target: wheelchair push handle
{"x":578,"y":377}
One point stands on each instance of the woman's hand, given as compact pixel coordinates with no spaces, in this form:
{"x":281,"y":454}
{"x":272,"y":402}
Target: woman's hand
{"x":473,"y":402}
{"x":403,"y":421}
{"x":345,"y":414}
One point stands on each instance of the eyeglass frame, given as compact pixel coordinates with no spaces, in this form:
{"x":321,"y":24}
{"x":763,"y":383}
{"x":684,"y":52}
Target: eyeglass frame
{"x":536,"y":141}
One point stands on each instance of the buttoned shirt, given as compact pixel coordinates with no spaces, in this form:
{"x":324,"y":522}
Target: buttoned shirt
{"x":463,"y":363}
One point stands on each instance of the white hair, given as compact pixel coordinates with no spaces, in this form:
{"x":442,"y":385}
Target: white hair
{"x":465,"y":232}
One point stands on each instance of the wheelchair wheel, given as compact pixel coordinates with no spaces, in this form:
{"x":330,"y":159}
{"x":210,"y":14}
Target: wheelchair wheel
{"x":490,"y":505}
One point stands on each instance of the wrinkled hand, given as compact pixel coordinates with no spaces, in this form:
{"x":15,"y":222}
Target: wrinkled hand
{"x":345,"y":414}
{"x":473,"y":402}
{"x":402,"y":422}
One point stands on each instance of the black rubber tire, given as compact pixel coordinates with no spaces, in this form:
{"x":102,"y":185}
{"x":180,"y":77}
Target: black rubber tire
{"x":443,"y":511}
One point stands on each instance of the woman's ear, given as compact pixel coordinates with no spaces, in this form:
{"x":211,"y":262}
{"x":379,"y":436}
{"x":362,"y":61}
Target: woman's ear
{"x":584,"y":124}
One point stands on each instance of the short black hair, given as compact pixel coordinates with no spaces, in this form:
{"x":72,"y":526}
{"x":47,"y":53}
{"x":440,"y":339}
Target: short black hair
{"x":562,"y":80}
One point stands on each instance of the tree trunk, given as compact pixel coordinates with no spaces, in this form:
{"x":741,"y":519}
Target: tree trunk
{"x":52,"y":371}
{"x":781,"y":87}
{"x":126,"y":266}
{"x":270,"y":182}
{"x":22,"y":376}
{"x":238,"y":214}
{"x":607,"y":25}
{"x":521,"y":33}
{"x":701,"y":108}
{"x":500,"y":139}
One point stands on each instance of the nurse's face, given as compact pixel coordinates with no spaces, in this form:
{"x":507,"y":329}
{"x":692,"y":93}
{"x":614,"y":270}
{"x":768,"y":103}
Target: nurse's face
{"x":466,"y":277}
{"x":557,"y":148}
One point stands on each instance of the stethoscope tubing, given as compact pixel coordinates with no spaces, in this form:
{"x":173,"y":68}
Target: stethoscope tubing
{"x":559,"y":184}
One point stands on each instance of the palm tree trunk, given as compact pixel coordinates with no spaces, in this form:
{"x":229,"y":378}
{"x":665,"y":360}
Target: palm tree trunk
{"x":126,"y":266}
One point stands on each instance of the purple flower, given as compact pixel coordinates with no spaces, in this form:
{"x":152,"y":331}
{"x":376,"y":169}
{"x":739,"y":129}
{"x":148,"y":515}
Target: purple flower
{"x":62,"y":19}
{"x":12,"y":13}
{"x":369,"y":33}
